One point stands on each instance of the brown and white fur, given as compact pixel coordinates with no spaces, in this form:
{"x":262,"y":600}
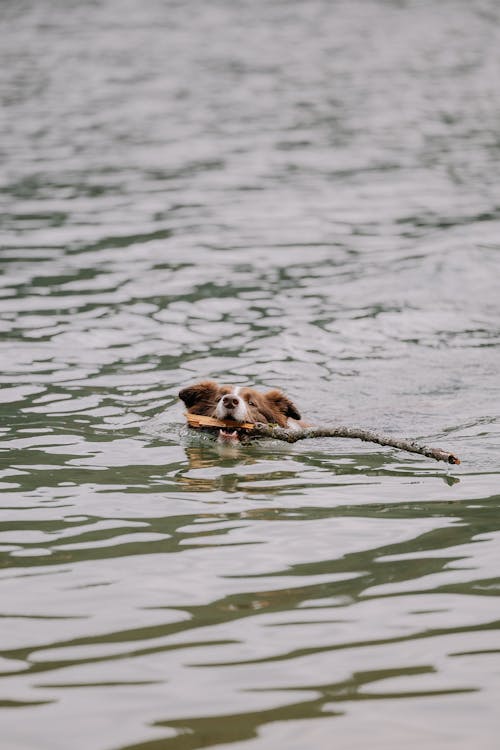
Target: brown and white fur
{"x":240,"y":404}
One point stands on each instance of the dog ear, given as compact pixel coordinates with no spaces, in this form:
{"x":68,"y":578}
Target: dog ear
{"x":283,"y":404}
{"x":198,"y":392}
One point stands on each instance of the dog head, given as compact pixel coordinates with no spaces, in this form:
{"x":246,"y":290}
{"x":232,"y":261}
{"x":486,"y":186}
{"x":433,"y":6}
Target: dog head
{"x":238,"y":403}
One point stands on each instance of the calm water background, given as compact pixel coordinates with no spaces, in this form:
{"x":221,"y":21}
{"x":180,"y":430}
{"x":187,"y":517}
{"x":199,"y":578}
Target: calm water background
{"x":296,"y":194}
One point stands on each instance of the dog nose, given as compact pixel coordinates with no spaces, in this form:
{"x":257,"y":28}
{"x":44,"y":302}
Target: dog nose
{"x":230,"y":401}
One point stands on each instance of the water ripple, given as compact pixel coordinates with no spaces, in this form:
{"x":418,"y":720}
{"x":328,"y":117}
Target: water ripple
{"x":297,"y":195}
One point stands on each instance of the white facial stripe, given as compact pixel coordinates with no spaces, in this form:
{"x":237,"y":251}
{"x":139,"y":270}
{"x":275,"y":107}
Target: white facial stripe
{"x":238,"y":413}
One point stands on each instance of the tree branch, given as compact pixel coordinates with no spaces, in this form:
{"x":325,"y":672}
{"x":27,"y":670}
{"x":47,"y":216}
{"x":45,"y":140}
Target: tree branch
{"x":291,"y":436}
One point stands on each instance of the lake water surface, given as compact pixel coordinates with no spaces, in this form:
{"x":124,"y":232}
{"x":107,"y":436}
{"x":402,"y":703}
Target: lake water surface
{"x":294,"y":194}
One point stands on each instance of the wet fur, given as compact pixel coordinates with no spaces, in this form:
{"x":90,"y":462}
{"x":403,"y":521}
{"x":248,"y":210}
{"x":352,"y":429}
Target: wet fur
{"x":272,"y":407}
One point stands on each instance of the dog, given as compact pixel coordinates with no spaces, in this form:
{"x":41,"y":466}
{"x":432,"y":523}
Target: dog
{"x":240,"y":404}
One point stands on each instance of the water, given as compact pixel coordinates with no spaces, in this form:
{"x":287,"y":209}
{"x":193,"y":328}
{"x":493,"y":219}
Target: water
{"x":299,"y":194}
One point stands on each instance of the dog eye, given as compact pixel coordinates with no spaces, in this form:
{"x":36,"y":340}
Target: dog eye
{"x":251,"y":403}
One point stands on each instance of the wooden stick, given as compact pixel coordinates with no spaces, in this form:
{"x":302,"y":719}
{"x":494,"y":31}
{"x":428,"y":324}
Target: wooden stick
{"x":292,"y":436}
{"x":198,"y":420}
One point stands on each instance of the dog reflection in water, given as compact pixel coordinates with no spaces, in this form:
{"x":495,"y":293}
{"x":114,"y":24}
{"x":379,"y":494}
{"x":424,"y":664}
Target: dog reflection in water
{"x":207,"y":467}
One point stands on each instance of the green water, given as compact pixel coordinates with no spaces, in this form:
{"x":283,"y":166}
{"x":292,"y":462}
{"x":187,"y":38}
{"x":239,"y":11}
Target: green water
{"x":300,"y":195}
